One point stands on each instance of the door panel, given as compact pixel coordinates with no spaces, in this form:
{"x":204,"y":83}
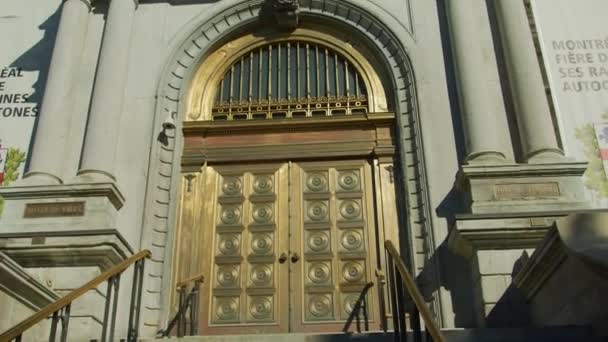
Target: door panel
{"x":244,"y":293}
{"x":333,"y":232}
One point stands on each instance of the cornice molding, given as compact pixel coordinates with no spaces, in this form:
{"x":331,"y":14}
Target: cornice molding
{"x":109,"y":190}
{"x":495,"y":231}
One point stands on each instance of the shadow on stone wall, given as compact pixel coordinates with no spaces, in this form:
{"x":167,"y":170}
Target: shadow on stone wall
{"x":455,"y":271}
{"x":455,"y":277}
{"x":512,"y":309}
{"x":38,"y":59}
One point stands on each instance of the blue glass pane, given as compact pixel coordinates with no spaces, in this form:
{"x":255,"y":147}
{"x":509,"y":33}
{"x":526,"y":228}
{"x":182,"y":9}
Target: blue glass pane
{"x":265,"y":68}
{"x":293,"y":63}
{"x":255,"y":76}
{"x":351,"y":81}
{"x":284,"y":72}
{"x":217,"y":94}
{"x":302,"y":71}
{"x":236,"y":82}
{"x":332,"y":75}
{"x":313,"y":72}
{"x":246,"y":78}
{"x":322,"y":73}
{"x":341,"y":78}
{"x":226,"y":90}
{"x":362,"y":87}
{"x":275,"y":71}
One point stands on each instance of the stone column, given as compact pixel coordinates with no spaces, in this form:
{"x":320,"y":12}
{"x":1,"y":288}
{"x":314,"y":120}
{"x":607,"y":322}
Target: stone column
{"x":538,"y":137}
{"x":47,"y":157}
{"x":481,"y":101}
{"x":99,"y":150}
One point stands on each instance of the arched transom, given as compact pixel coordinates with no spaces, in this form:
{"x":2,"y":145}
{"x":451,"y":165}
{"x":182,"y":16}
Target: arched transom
{"x":308,"y":73}
{"x":290,"y":79}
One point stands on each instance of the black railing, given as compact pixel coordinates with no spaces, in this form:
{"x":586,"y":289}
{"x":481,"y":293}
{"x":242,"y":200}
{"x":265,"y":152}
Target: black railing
{"x":407,"y":302}
{"x":360,"y":306}
{"x":187,"y":303}
{"x":60,"y":309}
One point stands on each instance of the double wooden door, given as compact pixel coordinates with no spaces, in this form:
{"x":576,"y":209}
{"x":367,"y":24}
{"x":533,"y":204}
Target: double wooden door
{"x":287,"y":247}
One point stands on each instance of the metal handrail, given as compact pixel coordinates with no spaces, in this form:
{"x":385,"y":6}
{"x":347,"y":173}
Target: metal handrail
{"x":186,"y":302}
{"x":413,"y":291}
{"x":360,"y":304}
{"x":185,"y":282}
{"x":61,"y":307}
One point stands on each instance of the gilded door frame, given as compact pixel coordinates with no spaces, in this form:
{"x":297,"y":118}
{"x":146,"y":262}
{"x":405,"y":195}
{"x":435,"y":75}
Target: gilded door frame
{"x":368,"y":137}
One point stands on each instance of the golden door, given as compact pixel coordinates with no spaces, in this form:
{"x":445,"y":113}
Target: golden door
{"x":286,"y":247}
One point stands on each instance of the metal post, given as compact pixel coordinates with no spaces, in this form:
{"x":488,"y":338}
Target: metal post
{"x":381,"y":300}
{"x":401,"y":305}
{"x":65,"y":321}
{"x":140,"y":287}
{"x":116,"y":282}
{"x":393,"y":294}
{"x":190,"y":301}
{"x":358,"y":321}
{"x":180,"y":313}
{"x":132,"y":304}
{"x":194,"y":307}
{"x":54,"y":322}
{"x":365,"y":313}
{"x":415,"y":321}
{"x":106,"y":313}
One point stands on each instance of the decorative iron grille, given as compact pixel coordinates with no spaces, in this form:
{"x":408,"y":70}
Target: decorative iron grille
{"x":290,"y":80}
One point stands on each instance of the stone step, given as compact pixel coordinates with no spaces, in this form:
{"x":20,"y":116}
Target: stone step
{"x":545,"y":334}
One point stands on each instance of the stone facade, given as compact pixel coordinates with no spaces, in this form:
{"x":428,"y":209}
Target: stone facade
{"x":483,"y":173}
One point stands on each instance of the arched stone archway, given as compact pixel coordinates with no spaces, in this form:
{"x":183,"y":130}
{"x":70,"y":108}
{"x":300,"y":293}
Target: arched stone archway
{"x":203,"y":35}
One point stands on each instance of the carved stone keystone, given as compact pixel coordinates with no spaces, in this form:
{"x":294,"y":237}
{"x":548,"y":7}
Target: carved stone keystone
{"x":285,"y":13}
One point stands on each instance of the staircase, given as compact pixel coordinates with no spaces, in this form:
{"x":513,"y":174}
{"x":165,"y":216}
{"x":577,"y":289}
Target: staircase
{"x":403,"y":287}
{"x":413,"y":322}
{"x":548,"y":334}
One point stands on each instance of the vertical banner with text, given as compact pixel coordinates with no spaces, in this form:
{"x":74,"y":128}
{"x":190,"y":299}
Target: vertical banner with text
{"x":574,"y":41}
{"x":27,"y":31}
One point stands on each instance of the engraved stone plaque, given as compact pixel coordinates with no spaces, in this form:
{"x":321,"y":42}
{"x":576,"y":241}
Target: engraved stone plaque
{"x":525,"y":191}
{"x":60,"y":209}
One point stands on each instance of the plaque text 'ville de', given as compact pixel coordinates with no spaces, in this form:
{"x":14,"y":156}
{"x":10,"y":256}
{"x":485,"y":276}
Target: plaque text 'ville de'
{"x":61,"y":209}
